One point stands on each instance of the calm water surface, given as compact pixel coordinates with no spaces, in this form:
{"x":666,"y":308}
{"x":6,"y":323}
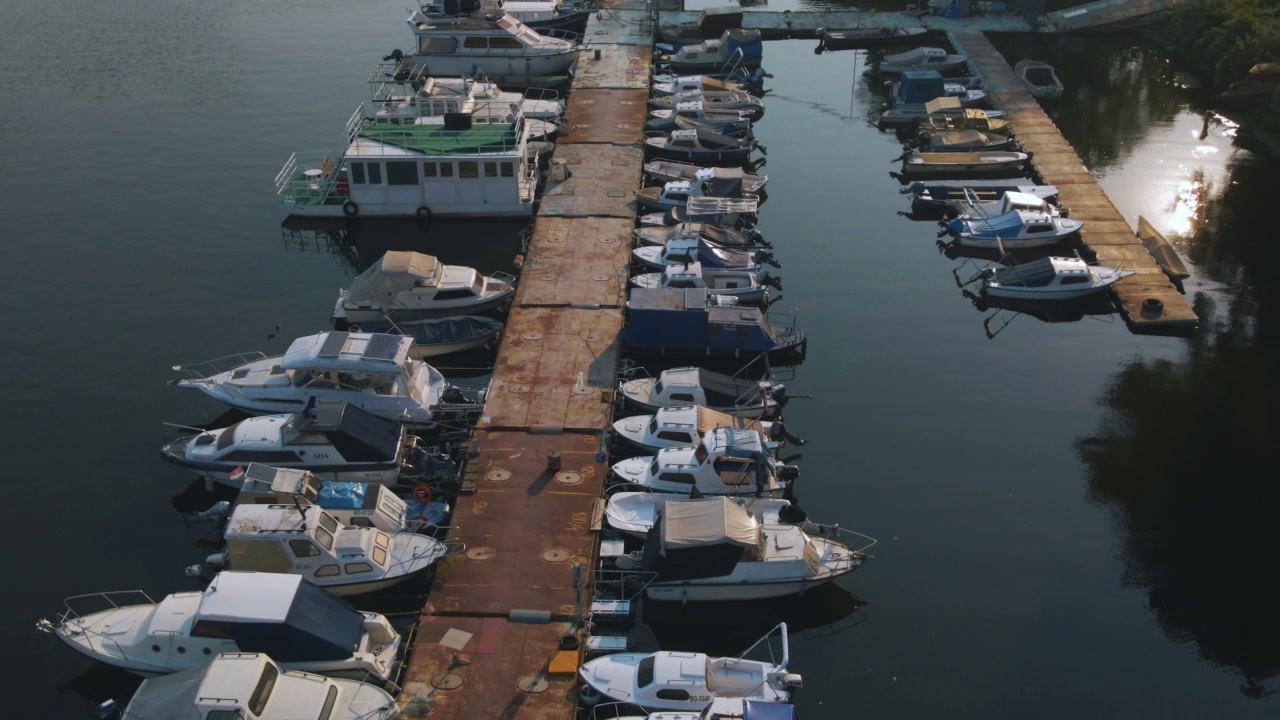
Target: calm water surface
{"x":1073,"y":521}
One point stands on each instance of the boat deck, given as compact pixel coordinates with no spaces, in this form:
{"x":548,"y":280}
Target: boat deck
{"x":1055,"y":162}
{"x":489,"y":644}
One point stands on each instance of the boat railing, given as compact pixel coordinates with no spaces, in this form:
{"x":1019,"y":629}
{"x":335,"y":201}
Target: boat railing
{"x":208,"y":368}
{"x":76,"y":607}
{"x":617,"y":711}
{"x":618,"y":584}
{"x":309,"y":178}
{"x":857,"y":543}
{"x":170,"y":432}
{"x":540,"y":94}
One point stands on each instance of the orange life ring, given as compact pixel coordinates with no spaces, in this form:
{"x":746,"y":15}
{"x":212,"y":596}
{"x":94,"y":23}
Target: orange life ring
{"x":423,"y":494}
{"x":418,"y":522}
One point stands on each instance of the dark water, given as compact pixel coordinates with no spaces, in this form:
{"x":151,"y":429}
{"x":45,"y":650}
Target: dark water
{"x":1073,"y":521}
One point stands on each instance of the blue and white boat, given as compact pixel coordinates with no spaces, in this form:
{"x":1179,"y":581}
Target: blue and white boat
{"x":747,"y":285}
{"x":694,"y":321}
{"x":735,"y":48}
{"x":1015,"y":229}
{"x":728,"y":461}
{"x":698,"y":249}
{"x":302,"y":626}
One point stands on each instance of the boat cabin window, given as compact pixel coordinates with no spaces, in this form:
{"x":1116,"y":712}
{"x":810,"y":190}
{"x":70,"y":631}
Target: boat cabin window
{"x":682,"y":478}
{"x":327,"y":709}
{"x":380,"y":556}
{"x":680,"y":284}
{"x":429,"y":169}
{"x":326,"y":571}
{"x":375,"y":173}
{"x":678,"y":197}
{"x":303,"y":548}
{"x":262,"y":691}
{"x":227,"y":437}
{"x":357,"y":173}
{"x":491,"y":169}
{"x":357,"y":568}
{"x":468,"y":169}
{"x":658,"y":387}
{"x":508,"y":169}
{"x":677,"y":436}
{"x":402,"y":172}
{"x":311,"y":488}
{"x":325,"y":538}
{"x":653,"y":425}
{"x":1074,"y":280}
{"x":213,"y":629}
{"x":1039,"y":228}
{"x":682,"y":142}
{"x":270,"y":457}
{"x":644,"y":672}
{"x":505,"y":43}
{"x":224,"y":715}
{"x":475,"y":42}
{"x":328,"y":523}
{"x":437,"y":45}
{"x":700,"y":455}
{"x":455,"y":294}
{"x":673,"y":694}
{"x":653,"y":467}
{"x":687,"y":397}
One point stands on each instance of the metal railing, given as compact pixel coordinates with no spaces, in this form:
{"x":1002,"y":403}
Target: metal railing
{"x":208,"y":368}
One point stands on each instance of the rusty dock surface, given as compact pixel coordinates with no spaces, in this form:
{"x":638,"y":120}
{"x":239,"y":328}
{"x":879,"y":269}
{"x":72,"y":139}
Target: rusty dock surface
{"x":489,"y":644}
{"x":1149,"y":301}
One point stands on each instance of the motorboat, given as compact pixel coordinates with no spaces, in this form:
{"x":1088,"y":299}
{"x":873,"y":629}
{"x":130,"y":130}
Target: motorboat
{"x":922,"y":58}
{"x":686,"y":425}
{"x":728,"y":461}
{"x":728,"y":100}
{"x":719,"y":120}
{"x":710,"y":23}
{"x":1039,"y":79}
{"x":699,"y":147}
{"x":670,"y":680}
{"x":302,"y":626}
{"x":714,"y":549}
{"x":251,"y":685}
{"x":741,"y":79}
{"x":636,"y":513}
{"x":1016,"y":229}
{"x":372,"y":371}
{"x":989,"y":162}
{"x":308,"y":541}
{"x":918,"y":87}
{"x":697,"y":249}
{"x":729,"y":394}
{"x":1008,"y":202}
{"x":737,"y":213}
{"x":960,"y":141}
{"x":331,"y":438}
{"x":1048,"y":278}
{"x":1256,"y":88}
{"x":717,"y":235}
{"x":707,"y":182}
{"x":405,"y":285}
{"x":433,"y":337}
{"x":417,"y":100}
{"x":748,"y":286}
{"x":354,"y":504}
{"x":718,"y":709}
{"x":496,"y":44}
{"x":672,"y":322}
{"x":541,"y":15}
{"x":952,"y":199}
{"x":735,"y":48}
{"x":671,"y":170}
{"x":868,"y":38}
{"x":944,"y":112}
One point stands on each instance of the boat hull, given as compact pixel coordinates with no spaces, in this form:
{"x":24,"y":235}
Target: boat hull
{"x":409,"y":210}
{"x":709,"y":592}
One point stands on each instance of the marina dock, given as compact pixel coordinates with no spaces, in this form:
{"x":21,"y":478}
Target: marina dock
{"x":501,"y":634}
{"x":1149,"y":301}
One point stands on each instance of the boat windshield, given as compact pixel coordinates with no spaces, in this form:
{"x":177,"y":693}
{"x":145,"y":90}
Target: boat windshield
{"x":644,"y":672}
{"x":653,"y":425}
{"x":262,"y":691}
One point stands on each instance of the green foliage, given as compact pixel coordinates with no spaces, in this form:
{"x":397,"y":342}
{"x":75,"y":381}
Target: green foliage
{"x":1206,"y":31}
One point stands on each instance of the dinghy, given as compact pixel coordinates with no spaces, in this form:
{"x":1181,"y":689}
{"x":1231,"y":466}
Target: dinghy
{"x":1048,"y":278}
{"x":992,"y":162}
{"x":940,"y":198}
{"x":960,"y":141}
{"x":867,"y":38}
{"x":921,"y":58}
{"x":727,"y":462}
{"x":729,"y":394}
{"x":1039,"y":79}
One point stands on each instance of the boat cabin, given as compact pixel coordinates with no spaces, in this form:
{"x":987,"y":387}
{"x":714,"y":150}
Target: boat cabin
{"x":671,"y":320}
{"x":406,"y":285}
{"x":727,"y":462}
{"x":354,"y":504}
{"x":685,"y":425}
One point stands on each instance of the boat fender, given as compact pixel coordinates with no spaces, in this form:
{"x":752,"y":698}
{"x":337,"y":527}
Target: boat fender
{"x":424,"y":214}
{"x":588,"y":695}
{"x":423,"y":494}
{"x":350,"y":209}
{"x":353,"y":327}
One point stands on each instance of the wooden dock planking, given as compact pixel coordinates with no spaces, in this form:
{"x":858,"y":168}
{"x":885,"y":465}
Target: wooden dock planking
{"x":601,"y":180}
{"x":1106,"y":233}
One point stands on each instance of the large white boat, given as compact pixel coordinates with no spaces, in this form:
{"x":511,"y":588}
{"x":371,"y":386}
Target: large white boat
{"x":669,"y":680}
{"x":404,"y":285}
{"x":686,"y":425}
{"x":747,"y":285}
{"x":727,"y":462}
{"x":374,"y":372}
{"x":716,"y":549}
{"x":250,"y":685}
{"x":498,"y":45}
{"x":307,"y":541}
{"x":399,"y":98}
{"x":1049,"y":278}
{"x":300,"y":625}
{"x":332,"y":439}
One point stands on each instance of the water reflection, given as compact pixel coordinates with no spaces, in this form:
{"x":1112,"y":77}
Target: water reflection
{"x":1179,"y":450}
{"x":489,"y":244}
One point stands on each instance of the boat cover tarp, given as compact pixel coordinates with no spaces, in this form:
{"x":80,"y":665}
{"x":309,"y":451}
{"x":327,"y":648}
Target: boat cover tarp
{"x":342,"y":495}
{"x":708,"y":521}
{"x":709,"y":420}
{"x":961,"y":138}
{"x":1005,"y":225}
{"x":914,"y":56}
{"x":762,"y":710}
{"x":946,"y":103}
{"x":918,"y":87}
{"x":168,"y":697}
{"x":319,"y":626}
{"x":442,"y":140}
{"x":725,"y":185}
{"x":398,"y":270}
{"x":441,"y":331}
{"x":1036,"y":273}
{"x":359,"y":435}
{"x":735,"y":442}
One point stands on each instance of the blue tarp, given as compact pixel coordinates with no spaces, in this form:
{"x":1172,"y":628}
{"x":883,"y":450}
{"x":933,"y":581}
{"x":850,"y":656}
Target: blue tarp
{"x":342,"y":495}
{"x":1006,"y":226}
{"x":761,"y":710}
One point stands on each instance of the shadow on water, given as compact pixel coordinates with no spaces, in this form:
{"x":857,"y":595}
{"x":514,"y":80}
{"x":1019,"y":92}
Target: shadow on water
{"x":1179,"y":450}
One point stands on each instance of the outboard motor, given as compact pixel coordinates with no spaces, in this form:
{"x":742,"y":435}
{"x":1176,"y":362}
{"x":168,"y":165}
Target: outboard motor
{"x":217,"y":513}
{"x":770,"y":280}
{"x":788,"y":473}
{"x":793,"y":681}
{"x":395,"y":55}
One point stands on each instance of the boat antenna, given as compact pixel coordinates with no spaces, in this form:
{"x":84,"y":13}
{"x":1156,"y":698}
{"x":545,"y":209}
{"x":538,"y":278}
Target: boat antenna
{"x":301,"y":511}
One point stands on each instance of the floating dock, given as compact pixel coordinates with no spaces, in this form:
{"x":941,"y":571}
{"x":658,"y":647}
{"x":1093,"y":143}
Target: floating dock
{"x":502,"y":631}
{"x":1149,"y":301}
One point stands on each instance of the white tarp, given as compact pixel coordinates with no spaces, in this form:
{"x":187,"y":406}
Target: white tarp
{"x":398,"y":270}
{"x":168,"y":697}
{"x":708,"y":521}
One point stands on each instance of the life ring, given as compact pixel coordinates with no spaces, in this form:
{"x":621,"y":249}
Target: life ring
{"x":424,"y":214}
{"x":423,"y":494}
{"x":350,"y":209}
{"x":418,"y":522}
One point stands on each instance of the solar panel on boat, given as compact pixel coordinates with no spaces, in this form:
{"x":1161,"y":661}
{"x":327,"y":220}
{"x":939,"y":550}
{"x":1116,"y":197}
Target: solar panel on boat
{"x":333,"y":344}
{"x":382,"y":347}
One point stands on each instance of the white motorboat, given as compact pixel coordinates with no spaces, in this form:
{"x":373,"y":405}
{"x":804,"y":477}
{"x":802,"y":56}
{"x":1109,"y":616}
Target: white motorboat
{"x":973,"y":208}
{"x":1039,"y":79}
{"x":635,"y":513}
{"x":667,"y":85}
{"x":721,"y":120}
{"x":987,"y":162}
{"x":952,"y":199}
{"x":1049,"y":278}
{"x":734,"y":100}
{"x":718,"y":235}
{"x":300,"y":625}
{"x":355,"y":504}
{"x":415,"y":100}
{"x":433,"y":337}
{"x":922,"y":58}
{"x":690,"y":385}
{"x":406,"y":285}
{"x":541,"y":15}
{"x":498,"y":45}
{"x":250,"y":685}
{"x":707,"y":182}
{"x":718,"y":709}
{"x":670,"y":170}
{"x":747,"y":285}
{"x":333,"y":439}
{"x":714,"y":549}
{"x":698,"y":249}
{"x":726,"y":462}
{"x":308,"y":541}
{"x":686,"y":425}
{"x":1014,"y":229}
{"x":371,"y":371}
{"x":670,"y":680}
{"x":735,"y":48}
